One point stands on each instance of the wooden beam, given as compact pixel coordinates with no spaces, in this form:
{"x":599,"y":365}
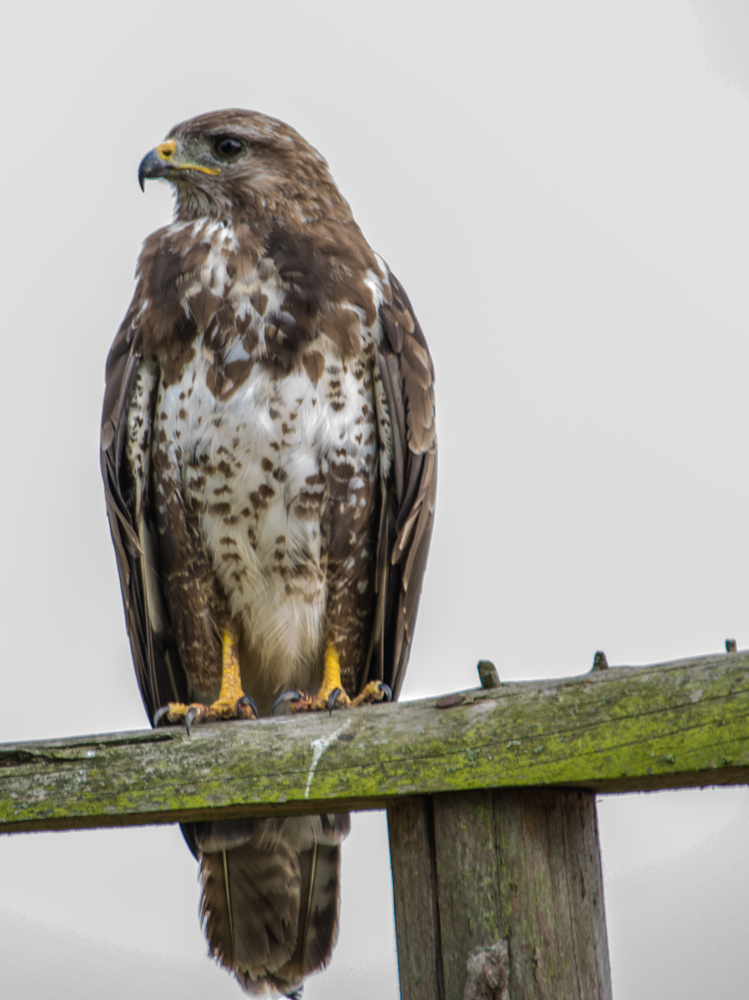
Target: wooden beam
{"x":623,"y":729}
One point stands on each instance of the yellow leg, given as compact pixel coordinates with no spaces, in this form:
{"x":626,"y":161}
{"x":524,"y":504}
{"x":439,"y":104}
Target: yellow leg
{"x":331,"y":678}
{"x":232,"y":702}
{"x":231,"y":684}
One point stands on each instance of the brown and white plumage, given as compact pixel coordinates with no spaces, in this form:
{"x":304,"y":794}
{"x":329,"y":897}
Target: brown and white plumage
{"x":269,"y":460}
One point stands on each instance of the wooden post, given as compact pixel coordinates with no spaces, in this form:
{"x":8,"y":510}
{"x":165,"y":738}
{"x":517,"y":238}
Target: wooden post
{"x":498,"y":895}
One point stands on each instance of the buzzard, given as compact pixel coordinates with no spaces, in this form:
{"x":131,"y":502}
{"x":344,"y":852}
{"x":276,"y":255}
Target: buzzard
{"x":269,"y":461}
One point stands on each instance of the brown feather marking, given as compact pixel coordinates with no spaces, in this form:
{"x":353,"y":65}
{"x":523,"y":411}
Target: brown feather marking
{"x":343,"y":327}
{"x":314,"y":365}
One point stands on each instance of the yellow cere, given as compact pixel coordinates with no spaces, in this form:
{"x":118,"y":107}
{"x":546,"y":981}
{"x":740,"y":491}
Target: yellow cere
{"x":166,"y":151}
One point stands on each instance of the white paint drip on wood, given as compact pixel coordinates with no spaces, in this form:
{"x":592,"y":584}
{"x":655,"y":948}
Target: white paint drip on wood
{"x":319,"y":747}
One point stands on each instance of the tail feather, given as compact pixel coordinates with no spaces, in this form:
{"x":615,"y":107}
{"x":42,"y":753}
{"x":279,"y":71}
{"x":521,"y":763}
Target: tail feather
{"x":318,"y":918}
{"x":271,"y":897}
{"x":250,"y":907}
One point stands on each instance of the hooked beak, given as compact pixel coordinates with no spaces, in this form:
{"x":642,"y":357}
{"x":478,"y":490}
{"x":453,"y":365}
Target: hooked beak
{"x":165,"y":161}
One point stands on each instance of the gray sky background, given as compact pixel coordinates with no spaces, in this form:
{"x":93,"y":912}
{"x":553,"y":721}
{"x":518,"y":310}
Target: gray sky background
{"x":562,"y":188}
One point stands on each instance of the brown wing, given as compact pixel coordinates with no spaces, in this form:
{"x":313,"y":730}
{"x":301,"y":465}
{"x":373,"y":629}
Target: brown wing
{"x":157,"y":666}
{"x":409,"y":492}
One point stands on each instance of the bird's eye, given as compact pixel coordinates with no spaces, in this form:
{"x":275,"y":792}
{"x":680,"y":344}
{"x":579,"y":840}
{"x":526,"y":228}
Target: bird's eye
{"x":226,"y":147}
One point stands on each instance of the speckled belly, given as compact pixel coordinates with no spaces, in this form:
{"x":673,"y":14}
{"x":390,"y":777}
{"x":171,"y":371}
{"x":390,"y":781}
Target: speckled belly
{"x":254,"y":470}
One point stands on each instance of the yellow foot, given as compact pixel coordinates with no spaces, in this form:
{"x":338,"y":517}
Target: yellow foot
{"x":242,"y":708}
{"x":331,"y":694}
{"x":232,"y":702}
{"x":374,"y":691}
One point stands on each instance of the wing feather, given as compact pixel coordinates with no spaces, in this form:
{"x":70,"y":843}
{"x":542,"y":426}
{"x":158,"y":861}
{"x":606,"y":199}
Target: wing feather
{"x":408,"y":487}
{"x":155,"y":657}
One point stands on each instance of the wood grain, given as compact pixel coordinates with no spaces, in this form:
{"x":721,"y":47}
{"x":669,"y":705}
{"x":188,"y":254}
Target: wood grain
{"x":517,"y":871}
{"x":622,"y":729}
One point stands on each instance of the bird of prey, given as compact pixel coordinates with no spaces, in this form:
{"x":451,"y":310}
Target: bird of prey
{"x":269,"y":461}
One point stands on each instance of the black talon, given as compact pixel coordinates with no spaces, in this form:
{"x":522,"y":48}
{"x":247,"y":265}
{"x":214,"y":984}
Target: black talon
{"x":333,"y":698}
{"x":160,"y":713}
{"x":246,"y":700}
{"x":286,"y":696}
{"x":192,"y":714}
{"x":385,"y":688}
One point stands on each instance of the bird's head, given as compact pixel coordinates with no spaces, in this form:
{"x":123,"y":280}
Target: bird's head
{"x":245,"y":163}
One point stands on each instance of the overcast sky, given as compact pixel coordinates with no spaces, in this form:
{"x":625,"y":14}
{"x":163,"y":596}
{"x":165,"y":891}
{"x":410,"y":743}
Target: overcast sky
{"x":563,"y":189}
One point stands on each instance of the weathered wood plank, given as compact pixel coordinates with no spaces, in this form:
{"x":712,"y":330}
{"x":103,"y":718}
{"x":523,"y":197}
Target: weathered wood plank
{"x":551,"y":893}
{"x":516,"y":875}
{"x":467,"y":881}
{"x":417,"y":920}
{"x":622,"y":729}
{"x":583,"y":856}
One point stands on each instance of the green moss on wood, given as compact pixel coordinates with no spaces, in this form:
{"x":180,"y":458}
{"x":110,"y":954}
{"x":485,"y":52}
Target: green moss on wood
{"x":620,"y":729}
